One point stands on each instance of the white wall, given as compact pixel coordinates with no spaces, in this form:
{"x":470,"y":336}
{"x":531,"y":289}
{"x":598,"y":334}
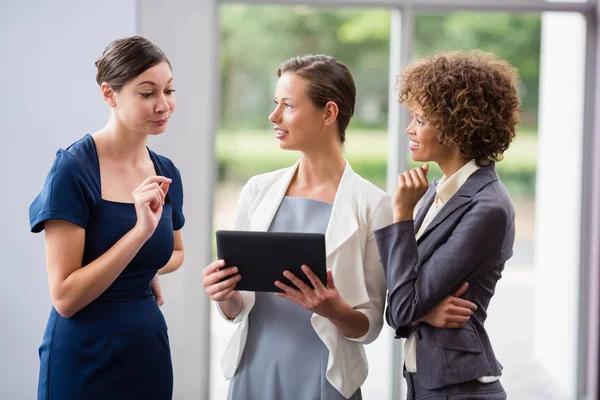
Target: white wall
{"x":50,"y":99}
{"x":558,"y":205}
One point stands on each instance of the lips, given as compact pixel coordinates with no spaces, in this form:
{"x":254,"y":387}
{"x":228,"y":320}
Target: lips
{"x":160,"y":122}
{"x":280,"y":133}
{"x":414,"y":145}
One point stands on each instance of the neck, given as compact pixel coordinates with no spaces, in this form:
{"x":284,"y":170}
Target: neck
{"x":120,"y":143}
{"x":321,"y":166}
{"x":451,"y":166}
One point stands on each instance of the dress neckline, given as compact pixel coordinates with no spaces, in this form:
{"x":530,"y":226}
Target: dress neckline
{"x":96,"y":164}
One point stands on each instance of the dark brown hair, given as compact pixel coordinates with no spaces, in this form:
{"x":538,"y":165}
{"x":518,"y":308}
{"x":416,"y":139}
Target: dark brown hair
{"x":124,"y":59}
{"x":470,"y":97}
{"x":328,"y":80}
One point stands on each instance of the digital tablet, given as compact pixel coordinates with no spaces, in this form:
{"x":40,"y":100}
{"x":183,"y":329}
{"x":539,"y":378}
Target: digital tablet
{"x":261,"y":257}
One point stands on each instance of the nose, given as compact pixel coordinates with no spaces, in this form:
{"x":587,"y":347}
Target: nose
{"x":162,"y":105}
{"x":410,"y":129}
{"x":275,"y":115}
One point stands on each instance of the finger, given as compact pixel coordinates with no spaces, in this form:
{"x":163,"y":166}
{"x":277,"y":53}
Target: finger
{"x":165,"y":187}
{"x":213,"y":267}
{"x":421,"y":175}
{"x":407,"y":179}
{"x":414,"y":176}
{"x":217,"y":276}
{"x":287,"y":289}
{"x":463,"y":311}
{"x":221,"y":286}
{"x":162,"y":195}
{"x":401,"y":181}
{"x":461,"y":290}
{"x":425,"y":168}
{"x":157,"y":201}
{"x":160,"y":301}
{"x":222,"y":295}
{"x":457,"y":301}
{"x":147,"y":188}
{"x":304,"y":288}
{"x":461,"y":319}
{"x":156,"y":179}
{"x":150,"y":199}
{"x":330,"y":282}
{"x":314,"y":279}
{"x":154,"y":188}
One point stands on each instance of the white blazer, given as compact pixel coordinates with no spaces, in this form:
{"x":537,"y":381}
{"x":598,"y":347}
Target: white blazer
{"x":359,"y":209}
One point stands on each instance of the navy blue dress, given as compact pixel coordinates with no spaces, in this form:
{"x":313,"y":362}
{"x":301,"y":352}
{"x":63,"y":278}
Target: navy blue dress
{"x":117,"y":347}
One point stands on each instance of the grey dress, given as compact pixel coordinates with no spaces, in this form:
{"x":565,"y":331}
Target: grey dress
{"x":283,"y":358}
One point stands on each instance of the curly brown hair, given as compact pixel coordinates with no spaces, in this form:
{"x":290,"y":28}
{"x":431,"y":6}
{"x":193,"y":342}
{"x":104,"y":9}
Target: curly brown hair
{"x":470,"y":97}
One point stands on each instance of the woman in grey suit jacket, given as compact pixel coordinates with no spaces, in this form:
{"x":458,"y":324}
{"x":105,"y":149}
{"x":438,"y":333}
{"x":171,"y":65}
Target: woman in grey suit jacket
{"x":461,"y":229}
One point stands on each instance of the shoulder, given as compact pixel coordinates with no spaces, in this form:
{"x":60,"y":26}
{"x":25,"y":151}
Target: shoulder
{"x":267,"y":179}
{"x":494,"y":204}
{"x":78,"y":156}
{"x":260,"y":184}
{"x":373,"y":206}
{"x":366,"y":191}
{"x":75,"y":164}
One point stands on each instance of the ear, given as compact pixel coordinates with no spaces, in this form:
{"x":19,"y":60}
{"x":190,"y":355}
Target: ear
{"x":108,"y":94}
{"x":331,"y":113}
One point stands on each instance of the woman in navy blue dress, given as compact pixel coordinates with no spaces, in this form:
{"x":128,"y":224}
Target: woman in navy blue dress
{"x":112,"y":212}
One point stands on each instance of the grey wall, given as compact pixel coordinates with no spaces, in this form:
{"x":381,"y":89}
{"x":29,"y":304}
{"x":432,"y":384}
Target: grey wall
{"x":49,"y":98}
{"x":187,"y":31}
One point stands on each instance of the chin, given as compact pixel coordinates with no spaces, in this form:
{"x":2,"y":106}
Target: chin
{"x":286,"y":146}
{"x":157,"y":130}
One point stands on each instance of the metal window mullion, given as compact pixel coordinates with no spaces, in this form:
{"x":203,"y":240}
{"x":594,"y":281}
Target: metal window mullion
{"x":589,"y":320}
{"x":401,"y":43}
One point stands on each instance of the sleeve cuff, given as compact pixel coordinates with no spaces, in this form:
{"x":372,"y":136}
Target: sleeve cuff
{"x":364,"y":337}
{"x":395,"y":228}
{"x":237,"y":319}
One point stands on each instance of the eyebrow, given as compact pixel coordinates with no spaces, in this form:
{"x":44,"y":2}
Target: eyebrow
{"x":282,"y":99}
{"x":152,"y":83}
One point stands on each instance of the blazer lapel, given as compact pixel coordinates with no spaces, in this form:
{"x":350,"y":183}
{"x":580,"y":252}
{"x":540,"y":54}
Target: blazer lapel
{"x":473,"y":185}
{"x":263,"y":215}
{"x":342,"y":222}
{"x":425,"y":205}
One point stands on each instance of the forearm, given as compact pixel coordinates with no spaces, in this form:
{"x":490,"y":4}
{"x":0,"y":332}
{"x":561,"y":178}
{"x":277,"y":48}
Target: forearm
{"x":84,"y":285}
{"x":232,"y":307}
{"x":351,"y":323}
{"x":173,"y":264}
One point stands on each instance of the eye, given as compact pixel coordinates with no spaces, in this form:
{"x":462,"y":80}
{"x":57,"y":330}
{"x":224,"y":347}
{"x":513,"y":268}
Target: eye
{"x":146,"y":95}
{"x":169,"y":91}
{"x":287,"y":105}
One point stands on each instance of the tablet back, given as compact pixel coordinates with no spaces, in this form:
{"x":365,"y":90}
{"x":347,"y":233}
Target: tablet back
{"x":261,"y":257}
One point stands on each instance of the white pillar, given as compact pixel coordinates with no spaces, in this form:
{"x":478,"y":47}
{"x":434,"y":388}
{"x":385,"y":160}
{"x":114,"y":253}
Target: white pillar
{"x":187,"y":31}
{"x":558,"y":198}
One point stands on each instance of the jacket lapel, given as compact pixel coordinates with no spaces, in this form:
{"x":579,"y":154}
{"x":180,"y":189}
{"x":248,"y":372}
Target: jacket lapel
{"x":342,"y":222}
{"x":425,"y":205}
{"x":263,"y":215}
{"x":473,"y":185}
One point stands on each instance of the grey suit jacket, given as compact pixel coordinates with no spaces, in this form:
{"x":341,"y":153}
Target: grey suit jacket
{"x":468,"y":241}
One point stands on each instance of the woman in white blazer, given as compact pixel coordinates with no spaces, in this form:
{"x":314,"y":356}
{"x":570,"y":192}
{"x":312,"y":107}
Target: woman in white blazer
{"x":272,"y":354}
